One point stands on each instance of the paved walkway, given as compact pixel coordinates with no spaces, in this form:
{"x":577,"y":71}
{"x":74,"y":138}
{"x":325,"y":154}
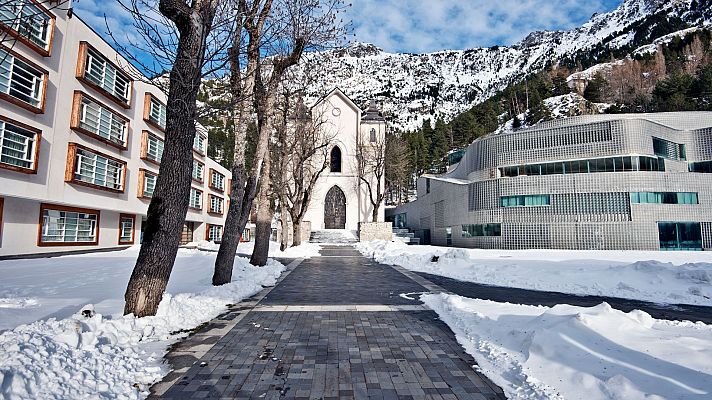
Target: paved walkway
{"x":534,"y":297}
{"x":334,"y":327}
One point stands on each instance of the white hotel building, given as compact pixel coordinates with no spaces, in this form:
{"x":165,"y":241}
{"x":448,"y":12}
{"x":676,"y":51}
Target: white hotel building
{"x":81,"y":141}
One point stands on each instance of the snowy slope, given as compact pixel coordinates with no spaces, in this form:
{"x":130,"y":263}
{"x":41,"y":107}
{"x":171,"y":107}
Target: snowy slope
{"x":412,"y":87}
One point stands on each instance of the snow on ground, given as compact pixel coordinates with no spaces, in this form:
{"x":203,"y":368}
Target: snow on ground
{"x":662,"y":277}
{"x":305,"y":250}
{"x":568,"y":352}
{"x":50,"y":351}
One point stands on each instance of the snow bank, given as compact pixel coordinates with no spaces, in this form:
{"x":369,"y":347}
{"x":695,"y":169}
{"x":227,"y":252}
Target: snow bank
{"x":568,"y":352}
{"x":75,"y":354}
{"x":662,"y":277}
{"x":304,"y":250}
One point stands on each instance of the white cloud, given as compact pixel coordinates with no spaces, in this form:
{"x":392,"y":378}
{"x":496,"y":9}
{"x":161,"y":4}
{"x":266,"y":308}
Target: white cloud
{"x":420,"y":25}
{"x":424,"y":26}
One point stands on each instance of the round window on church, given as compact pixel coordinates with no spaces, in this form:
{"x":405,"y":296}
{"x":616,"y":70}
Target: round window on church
{"x":336,"y":111}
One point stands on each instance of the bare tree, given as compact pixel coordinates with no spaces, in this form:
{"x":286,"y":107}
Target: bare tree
{"x":371,"y":162}
{"x":251,"y":19}
{"x":397,"y":168}
{"x":169,"y":204}
{"x":303,"y":149}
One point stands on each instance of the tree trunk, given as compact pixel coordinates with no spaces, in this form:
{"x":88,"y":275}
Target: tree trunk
{"x":375,"y":213}
{"x":169,"y":205}
{"x":284,"y":242}
{"x":296,"y":233}
{"x":263,"y":224}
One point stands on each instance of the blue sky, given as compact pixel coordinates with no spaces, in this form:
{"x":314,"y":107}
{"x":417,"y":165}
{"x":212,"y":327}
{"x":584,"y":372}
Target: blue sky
{"x":417,"y":26}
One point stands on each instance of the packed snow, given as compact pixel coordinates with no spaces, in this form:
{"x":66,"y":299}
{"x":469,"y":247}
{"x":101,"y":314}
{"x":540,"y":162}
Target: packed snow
{"x":304,"y":250}
{"x":568,"y":352}
{"x":65,"y":333}
{"x":662,"y":277}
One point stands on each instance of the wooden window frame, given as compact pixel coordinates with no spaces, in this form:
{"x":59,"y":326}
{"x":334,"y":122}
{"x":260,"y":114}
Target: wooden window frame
{"x":75,"y":123}
{"x":207,"y":231}
{"x":144,"y":147}
{"x":147,"y":110}
{"x":133,"y":227}
{"x":45,"y":79}
{"x":71,"y":161}
{"x":210,"y":198}
{"x":38,"y":140}
{"x":211,"y":184}
{"x":141,"y":181}
{"x":84,"y":47}
{"x":44,"y":206}
{"x":199,"y":152}
{"x":191,"y":172}
{"x":27,"y":42}
{"x":202,"y":200}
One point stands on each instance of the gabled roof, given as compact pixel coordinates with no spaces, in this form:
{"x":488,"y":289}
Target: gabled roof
{"x":336,"y":91}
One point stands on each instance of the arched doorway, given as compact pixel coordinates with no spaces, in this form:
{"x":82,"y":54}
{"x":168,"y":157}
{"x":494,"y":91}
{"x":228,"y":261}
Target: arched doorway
{"x":335,"y":209}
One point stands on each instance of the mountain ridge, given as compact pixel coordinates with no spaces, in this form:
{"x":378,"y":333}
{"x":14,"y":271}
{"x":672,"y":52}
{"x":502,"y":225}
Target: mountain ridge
{"x":440,"y":85}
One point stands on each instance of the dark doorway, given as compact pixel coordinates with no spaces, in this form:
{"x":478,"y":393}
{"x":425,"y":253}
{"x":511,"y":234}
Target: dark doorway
{"x":335,"y":209}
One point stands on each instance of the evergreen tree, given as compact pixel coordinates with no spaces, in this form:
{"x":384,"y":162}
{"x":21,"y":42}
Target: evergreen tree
{"x":672,"y":93}
{"x":596,"y":89}
{"x":701,"y":89}
{"x":516,"y":122}
{"x":559,"y":85}
{"x":538,"y":111}
{"x":438,"y":143}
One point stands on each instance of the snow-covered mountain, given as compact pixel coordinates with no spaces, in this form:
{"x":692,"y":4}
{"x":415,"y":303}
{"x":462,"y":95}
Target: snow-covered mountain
{"x":413,"y":87}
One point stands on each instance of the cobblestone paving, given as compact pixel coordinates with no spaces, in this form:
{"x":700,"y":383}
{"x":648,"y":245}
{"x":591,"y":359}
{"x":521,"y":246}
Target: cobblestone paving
{"x":406,"y":354}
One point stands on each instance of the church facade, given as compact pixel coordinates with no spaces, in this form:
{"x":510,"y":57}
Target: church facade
{"x":341,"y":198}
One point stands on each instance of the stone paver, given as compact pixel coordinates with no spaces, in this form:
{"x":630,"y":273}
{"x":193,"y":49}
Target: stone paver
{"x":405,"y":352}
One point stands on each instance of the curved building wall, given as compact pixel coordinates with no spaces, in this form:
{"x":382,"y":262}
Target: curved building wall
{"x":478,"y":203}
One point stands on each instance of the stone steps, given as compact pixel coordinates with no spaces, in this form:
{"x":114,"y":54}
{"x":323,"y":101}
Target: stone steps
{"x":405,"y":235}
{"x":332,"y":236}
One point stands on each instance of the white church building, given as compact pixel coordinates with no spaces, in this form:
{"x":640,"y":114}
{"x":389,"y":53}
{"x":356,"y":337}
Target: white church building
{"x":340,"y":199}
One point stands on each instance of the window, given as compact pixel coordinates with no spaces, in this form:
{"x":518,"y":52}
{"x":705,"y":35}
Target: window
{"x":335,"y":160}
{"x":29,"y":22}
{"x":95,"y":119}
{"x":22,"y":83}
{"x":610,"y":164}
{"x":213,"y":233}
{"x":66,"y":226}
{"x":680,"y":235}
{"x":19,"y":146}
{"x":126,"y":228}
{"x":216,"y":204}
{"x":154,"y":112}
{"x":475,"y":230}
{"x":525,"y":201}
{"x":147,"y":183}
{"x":372,"y":135}
{"x":217,"y":180}
{"x":94,"y":169}
{"x":152,"y":148}
{"x":199,"y":142}
{"x":198,"y":170}
{"x":668,"y":149}
{"x":704,"y":167}
{"x":186,"y":235}
{"x":663,"y":198}
{"x":196,"y":199}
{"x":99,"y":72}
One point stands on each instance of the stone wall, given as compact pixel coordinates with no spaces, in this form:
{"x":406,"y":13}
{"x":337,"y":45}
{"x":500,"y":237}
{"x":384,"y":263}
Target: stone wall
{"x":369,"y":231}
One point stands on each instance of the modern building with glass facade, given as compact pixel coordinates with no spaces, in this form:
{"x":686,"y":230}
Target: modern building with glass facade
{"x":631,"y":181}
{"x":81,"y":140}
